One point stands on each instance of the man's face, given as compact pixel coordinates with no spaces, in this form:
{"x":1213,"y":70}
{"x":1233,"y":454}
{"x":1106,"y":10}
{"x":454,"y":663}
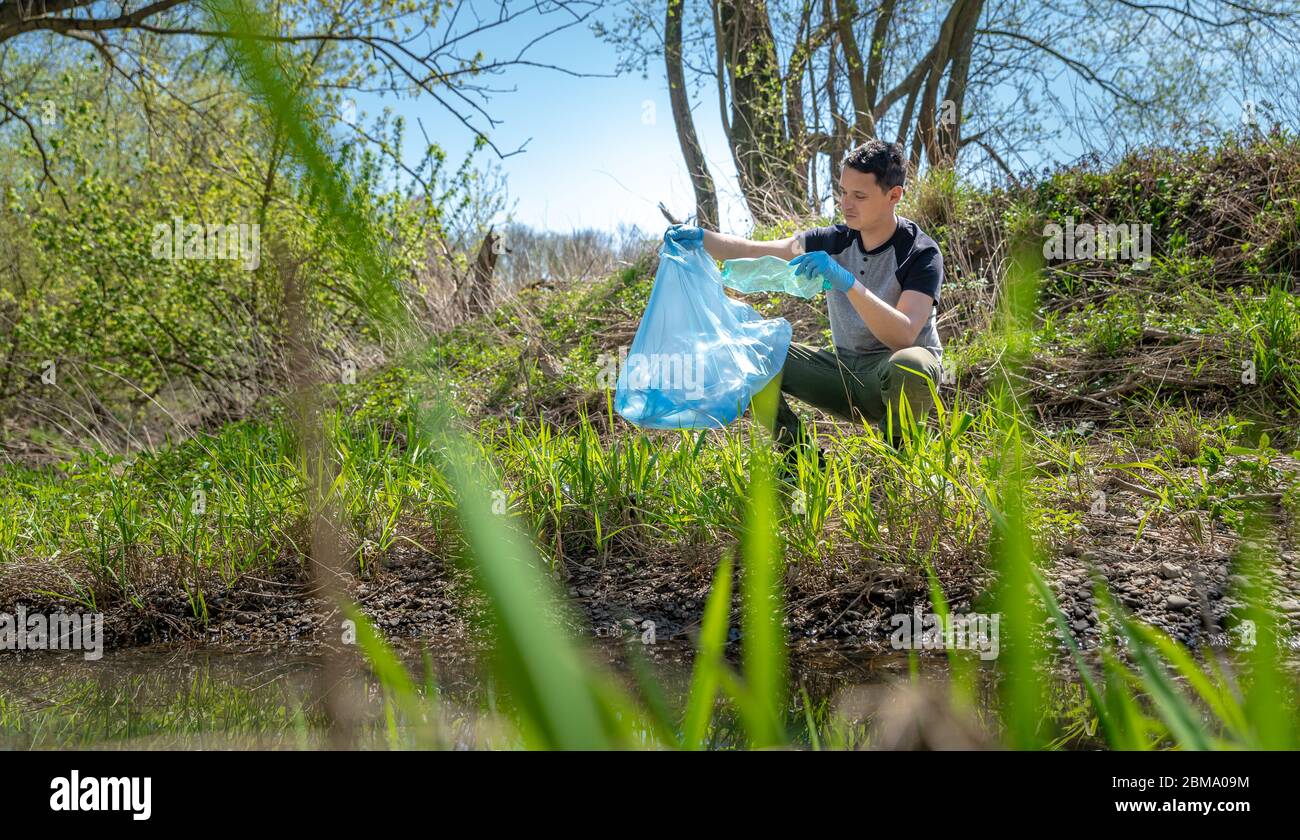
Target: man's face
{"x":863,"y":202}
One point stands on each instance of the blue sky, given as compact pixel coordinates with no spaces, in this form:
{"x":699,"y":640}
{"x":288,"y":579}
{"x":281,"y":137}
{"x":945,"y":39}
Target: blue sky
{"x":600,"y":151}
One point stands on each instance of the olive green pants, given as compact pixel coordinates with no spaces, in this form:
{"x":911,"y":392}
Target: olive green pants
{"x":851,"y":386}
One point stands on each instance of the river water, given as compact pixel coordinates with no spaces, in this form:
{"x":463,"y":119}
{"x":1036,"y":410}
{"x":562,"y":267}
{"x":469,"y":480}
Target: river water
{"x":186,"y":697}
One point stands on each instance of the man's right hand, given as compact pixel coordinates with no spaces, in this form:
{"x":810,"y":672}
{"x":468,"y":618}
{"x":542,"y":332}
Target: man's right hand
{"x":687,"y":236}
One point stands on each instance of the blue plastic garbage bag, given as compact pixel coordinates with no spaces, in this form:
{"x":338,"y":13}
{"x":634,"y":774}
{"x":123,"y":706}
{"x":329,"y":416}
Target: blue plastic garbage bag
{"x":698,"y":356}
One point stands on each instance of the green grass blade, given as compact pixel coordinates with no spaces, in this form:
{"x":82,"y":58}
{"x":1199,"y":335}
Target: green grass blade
{"x":763,"y":644}
{"x":708,"y":657}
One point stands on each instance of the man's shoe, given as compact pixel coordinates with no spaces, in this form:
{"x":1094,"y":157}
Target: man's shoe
{"x":789,"y":468}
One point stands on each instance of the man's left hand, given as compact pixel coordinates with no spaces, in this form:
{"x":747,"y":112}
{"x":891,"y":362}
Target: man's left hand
{"x":821,"y":264}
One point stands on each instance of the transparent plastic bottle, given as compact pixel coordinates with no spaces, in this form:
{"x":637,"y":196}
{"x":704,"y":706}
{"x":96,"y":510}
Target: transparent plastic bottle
{"x":768,"y":274}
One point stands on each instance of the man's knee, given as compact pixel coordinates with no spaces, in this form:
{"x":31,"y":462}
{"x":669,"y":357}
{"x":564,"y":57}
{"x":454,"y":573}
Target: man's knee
{"x":914,"y":373}
{"x":806,"y":373}
{"x":798,"y":356}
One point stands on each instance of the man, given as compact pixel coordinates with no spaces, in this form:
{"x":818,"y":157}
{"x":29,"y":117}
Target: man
{"x":882,"y":276}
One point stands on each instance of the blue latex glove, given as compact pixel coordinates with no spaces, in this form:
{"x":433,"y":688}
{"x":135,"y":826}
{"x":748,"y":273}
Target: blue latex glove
{"x":821,"y":264}
{"x":687,"y":236}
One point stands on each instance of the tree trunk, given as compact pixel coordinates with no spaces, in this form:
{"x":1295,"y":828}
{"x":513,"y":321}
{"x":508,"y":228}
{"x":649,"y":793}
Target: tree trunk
{"x":706,"y":198}
{"x":876,"y":60}
{"x":762,"y":146}
{"x":839,"y":126}
{"x":481,"y":297}
{"x":949,"y":140}
{"x":864,"y":126}
{"x":800,"y":144}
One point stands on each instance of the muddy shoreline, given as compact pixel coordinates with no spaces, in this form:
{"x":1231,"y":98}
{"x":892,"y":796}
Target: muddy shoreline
{"x":415,"y":595}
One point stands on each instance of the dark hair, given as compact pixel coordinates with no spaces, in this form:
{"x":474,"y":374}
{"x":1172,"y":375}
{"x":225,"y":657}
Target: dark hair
{"x":884,"y":160}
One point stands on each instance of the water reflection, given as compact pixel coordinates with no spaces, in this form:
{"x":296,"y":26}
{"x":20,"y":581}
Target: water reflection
{"x":180,"y":697}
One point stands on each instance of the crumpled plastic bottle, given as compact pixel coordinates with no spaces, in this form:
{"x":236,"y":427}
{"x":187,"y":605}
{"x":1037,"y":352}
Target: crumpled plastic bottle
{"x":769,"y":274}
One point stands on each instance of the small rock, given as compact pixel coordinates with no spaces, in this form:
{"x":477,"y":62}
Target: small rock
{"x":1169,"y":571}
{"x":1177,"y":602}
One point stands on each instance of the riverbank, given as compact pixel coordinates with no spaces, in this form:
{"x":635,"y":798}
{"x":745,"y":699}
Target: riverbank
{"x":413,"y":594}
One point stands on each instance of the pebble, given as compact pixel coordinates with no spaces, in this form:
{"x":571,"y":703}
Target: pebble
{"x":1177,"y":602}
{"x":1169,"y":571}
